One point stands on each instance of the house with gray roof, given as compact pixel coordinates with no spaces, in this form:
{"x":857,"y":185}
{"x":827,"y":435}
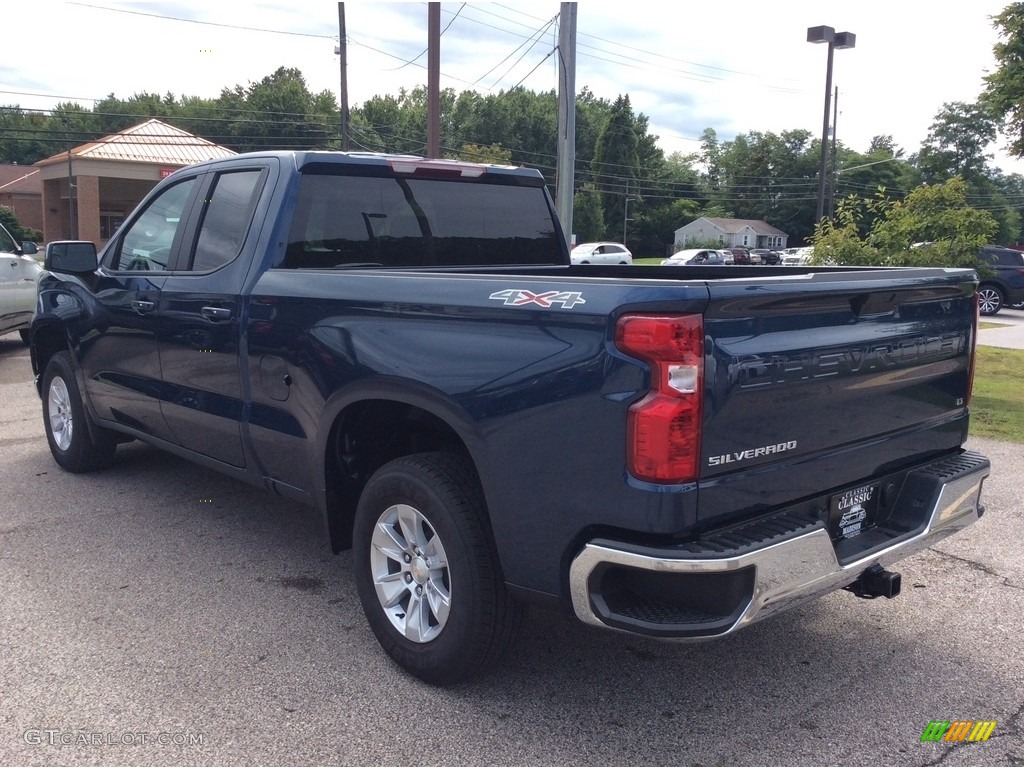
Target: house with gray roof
{"x":731,"y":233}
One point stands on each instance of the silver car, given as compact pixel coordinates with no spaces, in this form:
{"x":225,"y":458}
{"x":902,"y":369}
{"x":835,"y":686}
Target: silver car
{"x":19,"y":272}
{"x":695,"y":256}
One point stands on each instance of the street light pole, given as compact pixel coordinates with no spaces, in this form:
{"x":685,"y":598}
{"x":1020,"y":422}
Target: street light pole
{"x":834,"y":40}
{"x":832,"y":163}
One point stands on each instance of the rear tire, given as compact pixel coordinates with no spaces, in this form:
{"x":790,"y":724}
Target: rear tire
{"x":26,"y":336}
{"x":427,"y":569}
{"x":76,"y":443}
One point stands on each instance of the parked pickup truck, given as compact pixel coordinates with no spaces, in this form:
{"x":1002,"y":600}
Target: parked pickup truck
{"x":404,"y":344}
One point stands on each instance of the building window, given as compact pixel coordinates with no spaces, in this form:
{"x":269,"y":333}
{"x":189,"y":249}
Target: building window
{"x":109,"y":222}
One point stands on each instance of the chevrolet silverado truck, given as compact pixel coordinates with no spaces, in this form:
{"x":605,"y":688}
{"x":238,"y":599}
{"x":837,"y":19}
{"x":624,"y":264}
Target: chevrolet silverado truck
{"x":404,"y":345}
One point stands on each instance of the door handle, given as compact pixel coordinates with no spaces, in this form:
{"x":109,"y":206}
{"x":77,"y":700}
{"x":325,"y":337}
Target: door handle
{"x":142,"y":307}
{"x":216,"y":313}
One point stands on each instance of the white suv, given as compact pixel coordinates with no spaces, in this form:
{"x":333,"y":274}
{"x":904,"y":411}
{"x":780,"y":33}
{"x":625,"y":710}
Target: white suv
{"x":18,"y":275}
{"x":600,"y":253}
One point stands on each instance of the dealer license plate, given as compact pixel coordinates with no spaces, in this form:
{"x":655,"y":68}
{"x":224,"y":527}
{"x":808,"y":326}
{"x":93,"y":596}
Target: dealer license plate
{"x":852,"y":511}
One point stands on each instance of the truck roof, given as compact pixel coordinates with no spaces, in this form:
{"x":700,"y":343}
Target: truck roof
{"x":399,"y":163}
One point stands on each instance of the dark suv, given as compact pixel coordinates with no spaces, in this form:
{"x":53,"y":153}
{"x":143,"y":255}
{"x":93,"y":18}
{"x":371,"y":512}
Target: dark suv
{"x":1003,"y":282}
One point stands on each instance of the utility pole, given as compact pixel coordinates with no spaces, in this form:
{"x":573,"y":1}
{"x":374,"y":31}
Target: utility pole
{"x":565,"y":174}
{"x":343,"y":53}
{"x":433,"y":80}
{"x":72,"y":224}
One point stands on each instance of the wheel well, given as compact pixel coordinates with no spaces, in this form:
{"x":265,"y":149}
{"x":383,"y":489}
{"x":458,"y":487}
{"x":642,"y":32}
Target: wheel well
{"x":995,"y":286}
{"x":46,"y":342}
{"x":365,"y":437}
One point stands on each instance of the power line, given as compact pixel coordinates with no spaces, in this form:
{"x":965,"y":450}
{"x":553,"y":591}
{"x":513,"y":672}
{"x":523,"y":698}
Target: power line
{"x":537,"y":33}
{"x":205,"y":23}
{"x":414,"y":58}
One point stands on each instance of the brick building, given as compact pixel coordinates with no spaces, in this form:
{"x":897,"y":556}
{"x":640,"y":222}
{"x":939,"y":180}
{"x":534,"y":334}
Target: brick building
{"x":110,"y":176}
{"x":21,"y":190}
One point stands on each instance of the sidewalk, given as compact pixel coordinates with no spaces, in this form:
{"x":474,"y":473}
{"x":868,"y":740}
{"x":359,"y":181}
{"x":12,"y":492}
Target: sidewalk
{"x":1008,"y":337}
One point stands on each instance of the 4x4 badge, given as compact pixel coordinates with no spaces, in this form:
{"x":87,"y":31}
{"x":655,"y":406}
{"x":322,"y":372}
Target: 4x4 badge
{"x":519,"y":297}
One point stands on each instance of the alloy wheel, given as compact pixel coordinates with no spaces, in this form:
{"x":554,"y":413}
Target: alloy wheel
{"x":62,"y":423}
{"x":409,"y":568}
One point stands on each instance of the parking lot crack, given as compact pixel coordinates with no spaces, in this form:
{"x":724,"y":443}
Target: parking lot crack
{"x":975,"y":565}
{"x":941,"y":758}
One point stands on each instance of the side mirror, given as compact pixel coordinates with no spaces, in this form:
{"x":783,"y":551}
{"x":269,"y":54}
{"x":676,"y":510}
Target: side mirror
{"x":70,"y":256}
{"x":29,"y":248}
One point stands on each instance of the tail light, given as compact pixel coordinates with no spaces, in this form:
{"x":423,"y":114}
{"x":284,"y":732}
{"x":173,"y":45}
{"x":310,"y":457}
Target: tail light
{"x":664,"y":428}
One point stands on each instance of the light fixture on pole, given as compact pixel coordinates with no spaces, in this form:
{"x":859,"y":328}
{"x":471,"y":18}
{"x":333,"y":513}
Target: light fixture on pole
{"x":834,"y":40}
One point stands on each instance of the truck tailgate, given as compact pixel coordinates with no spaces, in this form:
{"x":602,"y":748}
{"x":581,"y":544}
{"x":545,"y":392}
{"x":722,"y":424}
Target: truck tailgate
{"x":822,"y":361}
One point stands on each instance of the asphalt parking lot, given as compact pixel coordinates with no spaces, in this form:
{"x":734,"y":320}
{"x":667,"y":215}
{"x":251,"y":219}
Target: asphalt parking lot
{"x":159,"y":614}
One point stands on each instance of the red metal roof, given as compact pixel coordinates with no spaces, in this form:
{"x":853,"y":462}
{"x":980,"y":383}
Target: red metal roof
{"x":150,"y":142}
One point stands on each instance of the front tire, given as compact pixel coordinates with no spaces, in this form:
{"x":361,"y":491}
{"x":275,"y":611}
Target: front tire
{"x":77,"y":445}
{"x":990,"y":300}
{"x":427,"y":570}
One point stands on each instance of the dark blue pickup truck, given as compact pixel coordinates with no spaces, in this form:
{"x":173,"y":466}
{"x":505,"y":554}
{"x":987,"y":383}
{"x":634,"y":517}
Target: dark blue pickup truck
{"x":404,"y":344}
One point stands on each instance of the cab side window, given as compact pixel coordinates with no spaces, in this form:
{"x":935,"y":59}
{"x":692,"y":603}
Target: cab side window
{"x":148,"y":242}
{"x":227,"y":213}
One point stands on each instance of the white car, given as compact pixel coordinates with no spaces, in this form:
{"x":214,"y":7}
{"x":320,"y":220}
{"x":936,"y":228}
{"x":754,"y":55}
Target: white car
{"x":795,"y":257}
{"x":600,"y":253}
{"x":19,"y":272}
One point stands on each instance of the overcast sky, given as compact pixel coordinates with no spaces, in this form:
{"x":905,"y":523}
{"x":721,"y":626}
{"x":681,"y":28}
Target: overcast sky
{"x":732,"y":65}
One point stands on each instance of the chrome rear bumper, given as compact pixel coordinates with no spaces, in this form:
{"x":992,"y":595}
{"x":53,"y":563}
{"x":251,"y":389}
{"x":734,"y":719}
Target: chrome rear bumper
{"x":760,"y":581}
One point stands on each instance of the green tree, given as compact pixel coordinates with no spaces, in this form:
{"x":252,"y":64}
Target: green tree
{"x":670,"y":198}
{"x":955,"y":147}
{"x":11,"y":223}
{"x":881,"y":167}
{"x":772,"y":177}
{"x":615,"y":164}
{"x":711,"y":156}
{"x":666,"y":219}
{"x":281,"y":113}
{"x":956,"y":143}
{"x":587,"y":215}
{"x":1011,"y":187}
{"x":474,"y":153}
{"x":1004,"y":88}
{"x":25,"y":136}
{"x":932,"y":226}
